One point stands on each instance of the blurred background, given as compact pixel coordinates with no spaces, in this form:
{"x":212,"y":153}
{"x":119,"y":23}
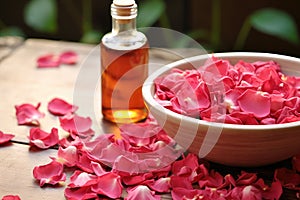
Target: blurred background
{"x":218,"y":25}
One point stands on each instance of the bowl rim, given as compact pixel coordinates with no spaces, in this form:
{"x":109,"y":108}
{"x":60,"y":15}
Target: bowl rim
{"x":148,"y":85}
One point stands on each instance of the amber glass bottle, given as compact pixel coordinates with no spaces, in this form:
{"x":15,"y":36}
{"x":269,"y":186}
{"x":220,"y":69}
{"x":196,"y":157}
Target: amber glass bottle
{"x":124,"y":66}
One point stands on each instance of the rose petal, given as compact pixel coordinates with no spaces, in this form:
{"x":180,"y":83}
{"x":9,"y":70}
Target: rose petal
{"x":68,"y":57}
{"x":288,"y":178}
{"x":82,"y":193}
{"x":255,"y":102}
{"x":42,"y":139}
{"x":11,"y":197}
{"x":109,"y":184}
{"x":51,"y":173}
{"x":28,"y":114}
{"x":48,"y":61}
{"x":77,"y":126}
{"x":5,"y":137}
{"x":161,"y":185}
{"x":60,"y":107}
{"x":67,"y":156}
{"x":250,"y":192}
{"x":141,"y":192}
{"x":274,"y":192}
{"x":296,"y":162}
{"x":179,"y":193}
{"x":246,"y":178}
{"x":82,"y":179}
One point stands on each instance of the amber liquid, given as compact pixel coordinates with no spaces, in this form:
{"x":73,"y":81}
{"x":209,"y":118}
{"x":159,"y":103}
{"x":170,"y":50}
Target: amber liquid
{"x":123,"y":74}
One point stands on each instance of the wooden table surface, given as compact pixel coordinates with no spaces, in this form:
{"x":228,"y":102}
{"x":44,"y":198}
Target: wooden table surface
{"x":22,"y":82}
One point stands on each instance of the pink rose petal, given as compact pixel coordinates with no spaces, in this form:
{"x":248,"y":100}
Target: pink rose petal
{"x":68,"y":57}
{"x":161,"y":185}
{"x":51,"y":173}
{"x":60,"y":107}
{"x":5,"y":137}
{"x":67,"y":156}
{"x":183,"y":193}
{"x":141,"y":192}
{"x":255,"y":102}
{"x":82,"y":193}
{"x":48,"y":61}
{"x":82,"y":179}
{"x":28,"y":114}
{"x":77,"y":126}
{"x":42,"y":139}
{"x":109,"y":184}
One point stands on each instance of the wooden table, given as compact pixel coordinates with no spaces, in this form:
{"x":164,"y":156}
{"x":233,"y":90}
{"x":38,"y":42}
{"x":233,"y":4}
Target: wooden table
{"x":21,"y":82}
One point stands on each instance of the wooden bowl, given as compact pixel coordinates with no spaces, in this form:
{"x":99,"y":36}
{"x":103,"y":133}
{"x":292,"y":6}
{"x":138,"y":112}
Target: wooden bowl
{"x":228,"y":144}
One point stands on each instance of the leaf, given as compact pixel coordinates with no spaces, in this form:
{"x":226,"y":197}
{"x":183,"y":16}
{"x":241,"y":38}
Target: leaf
{"x":275,"y":22}
{"x":149,"y":11}
{"x":41,"y":15}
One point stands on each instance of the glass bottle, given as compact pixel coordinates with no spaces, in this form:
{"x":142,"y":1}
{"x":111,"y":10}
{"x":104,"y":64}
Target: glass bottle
{"x":124,"y":66}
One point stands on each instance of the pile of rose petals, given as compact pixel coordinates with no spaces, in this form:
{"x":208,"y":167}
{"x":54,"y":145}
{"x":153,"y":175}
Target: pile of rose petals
{"x":54,"y":61}
{"x":140,"y":162}
{"x":249,"y":93}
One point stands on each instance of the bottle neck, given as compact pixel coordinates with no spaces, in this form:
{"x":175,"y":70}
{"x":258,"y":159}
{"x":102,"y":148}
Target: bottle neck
{"x":123,"y":25}
{"x":123,"y":18}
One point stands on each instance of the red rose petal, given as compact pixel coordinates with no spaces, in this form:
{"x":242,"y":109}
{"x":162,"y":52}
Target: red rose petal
{"x":250,"y":192}
{"x":42,"y":139}
{"x":48,"y":61}
{"x":5,"y":137}
{"x":274,"y":192}
{"x":68,"y":57}
{"x":60,"y":107}
{"x":11,"y":197}
{"x":255,"y":102}
{"x":296,"y":162}
{"x":288,"y":178}
{"x":28,"y":114}
{"x":51,"y":173}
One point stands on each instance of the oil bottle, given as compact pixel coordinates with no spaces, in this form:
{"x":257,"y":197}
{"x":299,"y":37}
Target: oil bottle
{"x":124,"y":66}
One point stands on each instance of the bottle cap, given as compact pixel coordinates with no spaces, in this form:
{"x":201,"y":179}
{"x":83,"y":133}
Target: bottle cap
{"x":124,"y":9}
{"x":124,"y":2}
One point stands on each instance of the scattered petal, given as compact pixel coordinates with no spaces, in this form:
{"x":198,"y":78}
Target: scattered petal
{"x":51,"y":173}
{"x":141,"y":192}
{"x":28,"y":114}
{"x":67,"y":156}
{"x":82,"y":179}
{"x":296,"y":162}
{"x":5,"y":137}
{"x":11,"y":197}
{"x":68,"y":57}
{"x":77,"y":126}
{"x":48,"y":61}
{"x":42,"y":139}
{"x":60,"y":107}
{"x":109,"y":184}
{"x":82,"y":193}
